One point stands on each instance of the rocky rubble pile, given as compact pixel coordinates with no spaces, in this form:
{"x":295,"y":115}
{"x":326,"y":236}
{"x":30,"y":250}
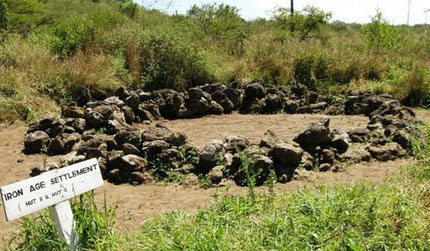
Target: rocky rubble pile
{"x":103,"y":130}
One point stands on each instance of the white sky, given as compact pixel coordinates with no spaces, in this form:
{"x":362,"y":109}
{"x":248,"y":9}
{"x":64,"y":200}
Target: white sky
{"x":395,"y":11}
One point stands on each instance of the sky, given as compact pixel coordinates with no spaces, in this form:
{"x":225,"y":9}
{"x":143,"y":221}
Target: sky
{"x":358,"y":11}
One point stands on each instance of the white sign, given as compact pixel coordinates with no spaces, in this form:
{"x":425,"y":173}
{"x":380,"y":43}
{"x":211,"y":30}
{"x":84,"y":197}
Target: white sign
{"x":50,"y":188}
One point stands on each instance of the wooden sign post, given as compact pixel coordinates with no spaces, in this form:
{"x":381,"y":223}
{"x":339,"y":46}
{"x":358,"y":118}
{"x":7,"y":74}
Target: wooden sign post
{"x":53,"y":189}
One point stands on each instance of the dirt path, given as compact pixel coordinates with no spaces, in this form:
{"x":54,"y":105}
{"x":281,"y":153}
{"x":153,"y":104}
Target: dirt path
{"x":138,"y":203}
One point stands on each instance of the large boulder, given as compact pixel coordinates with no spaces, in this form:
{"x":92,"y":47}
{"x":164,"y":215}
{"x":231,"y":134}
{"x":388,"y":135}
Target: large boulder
{"x":274,"y":103}
{"x":317,"y":134}
{"x":254,"y":91}
{"x":287,"y":154}
{"x":36,"y":142}
{"x":210,"y":155}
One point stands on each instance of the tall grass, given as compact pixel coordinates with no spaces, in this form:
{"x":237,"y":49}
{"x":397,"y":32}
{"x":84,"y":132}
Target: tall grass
{"x":70,"y":49}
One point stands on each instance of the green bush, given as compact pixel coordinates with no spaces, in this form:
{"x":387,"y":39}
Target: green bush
{"x":221,"y":22}
{"x":72,"y":34}
{"x":170,"y":60}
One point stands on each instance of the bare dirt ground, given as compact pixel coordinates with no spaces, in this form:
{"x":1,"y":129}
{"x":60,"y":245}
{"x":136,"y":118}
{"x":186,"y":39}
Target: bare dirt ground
{"x":139,"y":203}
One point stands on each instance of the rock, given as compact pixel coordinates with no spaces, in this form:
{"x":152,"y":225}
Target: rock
{"x":255,"y":106}
{"x":129,"y":135}
{"x":335,"y":109}
{"x":128,"y":114}
{"x":359,"y":135}
{"x":57,"y":127}
{"x":113,"y":126}
{"x":317,"y":134}
{"x":45,"y":123}
{"x":274,"y":103}
{"x":402,"y":138}
{"x":328,"y":156}
{"x":234,"y":96}
{"x":287,"y":154}
{"x":215,"y":108}
{"x":198,"y":107}
{"x":195,"y":93}
{"x":133,"y":100}
{"x":236,"y":143}
{"x":215,"y":175}
{"x":141,"y":178}
{"x":170,"y":156}
{"x":325,"y":167}
{"x":154,"y":148}
{"x":318,"y":107}
{"x":312,"y":98}
{"x":79,"y":125}
{"x":307,"y":161}
{"x":122,"y":93}
{"x":218,"y":96}
{"x":114,"y":100}
{"x":128,"y":148}
{"x":71,"y":158}
{"x":299,"y":90}
{"x":210,"y":154}
{"x":341,"y":142}
{"x":95,"y":119}
{"x":356,"y":153}
{"x":269,"y":139}
{"x":190,"y":180}
{"x":113,"y":159}
{"x":227,"y":106}
{"x":36,"y":142}
{"x":389,"y":151}
{"x":115,"y":176}
{"x":260,"y":169}
{"x":291,"y":107}
{"x":73,"y":112}
{"x":132,"y":163}
{"x":254,"y":91}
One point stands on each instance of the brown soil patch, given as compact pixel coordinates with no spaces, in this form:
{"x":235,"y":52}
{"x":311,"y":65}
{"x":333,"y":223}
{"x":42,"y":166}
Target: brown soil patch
{"x":138,"y":203}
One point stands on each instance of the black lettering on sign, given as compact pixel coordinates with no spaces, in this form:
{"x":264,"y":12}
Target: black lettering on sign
{"x":13,"y":194}
{"x":37,"y":186}
{"x":30,"y":202}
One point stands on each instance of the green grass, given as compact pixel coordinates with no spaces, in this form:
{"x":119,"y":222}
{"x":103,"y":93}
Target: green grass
{"x":394,"y":215}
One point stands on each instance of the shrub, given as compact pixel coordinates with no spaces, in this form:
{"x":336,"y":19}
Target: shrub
{"x":221,"y":22}
{"x":72,"y":34}
{"x":169,"y":60}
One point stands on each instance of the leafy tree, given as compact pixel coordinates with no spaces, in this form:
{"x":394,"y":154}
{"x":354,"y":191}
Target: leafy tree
{"x":380,"y":34}
{"x":221,"y":22}
{"x":304,"y":23}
